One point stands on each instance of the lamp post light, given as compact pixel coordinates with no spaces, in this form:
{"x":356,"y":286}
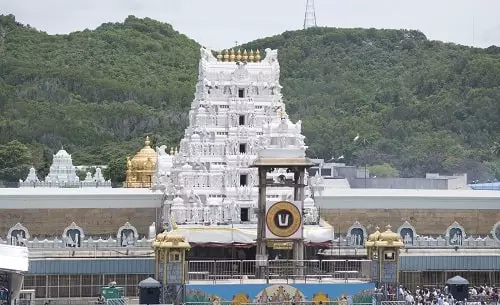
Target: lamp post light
{"x":363,"y":142}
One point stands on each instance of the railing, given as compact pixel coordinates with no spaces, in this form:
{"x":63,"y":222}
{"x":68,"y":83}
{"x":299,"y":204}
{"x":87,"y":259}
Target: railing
{"x":288,"y":270}
{"x":341,"y":302}
{"x":59,"y":301}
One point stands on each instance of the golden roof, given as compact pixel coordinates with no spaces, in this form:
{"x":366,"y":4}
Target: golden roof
{"x":170,"y":240}
{"x":243,"y":56}
{"x":384,"y":239}
{"x":375,"y":235}
{"x":388,"y":235}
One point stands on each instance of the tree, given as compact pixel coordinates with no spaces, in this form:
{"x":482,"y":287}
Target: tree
{"x":383,"y":170}
{"x":15,"y":161}
{"x":116,"y":170}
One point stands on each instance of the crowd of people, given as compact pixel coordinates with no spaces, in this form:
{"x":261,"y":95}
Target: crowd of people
{"x":434,"y":296}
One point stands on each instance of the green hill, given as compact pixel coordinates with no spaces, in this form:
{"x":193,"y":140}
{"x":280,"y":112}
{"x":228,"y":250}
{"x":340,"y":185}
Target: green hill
{"x":418,"y":105}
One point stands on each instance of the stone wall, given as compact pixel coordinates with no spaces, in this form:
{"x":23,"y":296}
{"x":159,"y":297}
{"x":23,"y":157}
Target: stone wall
{"x":94,"y":222}
{"x":426,"y":222}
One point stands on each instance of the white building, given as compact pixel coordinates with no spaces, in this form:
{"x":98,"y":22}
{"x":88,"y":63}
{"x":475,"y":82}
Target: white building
{"x":62,"y":173}
{"x":237,"y":110}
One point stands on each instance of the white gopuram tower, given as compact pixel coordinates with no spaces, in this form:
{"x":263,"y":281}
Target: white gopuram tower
{"x":62,"y":173}
{"x":237,"y":110}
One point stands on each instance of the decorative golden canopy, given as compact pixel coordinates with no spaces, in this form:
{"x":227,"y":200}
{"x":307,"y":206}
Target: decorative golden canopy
{"x":141,"y":167}
{"x":389,"y":236}
{"x":384,"y":239}
{"x":170,"y":240}
{"x":375,"y":235}
{"x":243,"y":56}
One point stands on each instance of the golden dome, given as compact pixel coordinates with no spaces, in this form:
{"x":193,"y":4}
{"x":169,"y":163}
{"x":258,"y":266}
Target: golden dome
{"x":144,"y":158}
{"x":388,"y":235}
{"x":219,"y":56}
{"x":141,"y":167}
{"x":238,"y":55}
{"x":245,"y":55}
{"x":375,"y":235}
{"x":226,"y":55}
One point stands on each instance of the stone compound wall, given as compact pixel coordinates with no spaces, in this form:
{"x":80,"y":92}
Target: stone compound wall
{"x":426,"y":222}
{"x":105,"y":222}
{"x":94,"y":222}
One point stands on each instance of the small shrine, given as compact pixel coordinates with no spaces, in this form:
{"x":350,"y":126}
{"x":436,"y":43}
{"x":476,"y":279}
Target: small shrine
{"x":141,"y":168}
{"x":62,"y":173}
{"x":383,"y":250}
{"x":62,"y":169}
{"x":170,"y":265}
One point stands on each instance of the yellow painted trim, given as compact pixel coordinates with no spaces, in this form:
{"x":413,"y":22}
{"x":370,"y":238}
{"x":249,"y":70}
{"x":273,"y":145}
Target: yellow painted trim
{"x":183,"y":261}
{"x":157,"y":258}
{"x":165,"y":257}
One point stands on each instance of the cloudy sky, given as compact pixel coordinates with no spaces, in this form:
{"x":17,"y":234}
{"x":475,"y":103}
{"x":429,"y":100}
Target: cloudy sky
{"x":218,"y":24}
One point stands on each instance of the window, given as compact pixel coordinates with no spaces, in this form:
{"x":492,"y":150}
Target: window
{"x":389,"y":256}
{"x":243,"y":148}
{"x":175,"y":256}
{"x":244,"y":214}
{"x":241,"y":92}
{"x":243,"y":179}
{"x":242,"y":120}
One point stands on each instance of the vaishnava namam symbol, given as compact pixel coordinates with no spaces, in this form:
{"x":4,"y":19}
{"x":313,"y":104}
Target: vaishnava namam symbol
{"x":283,"y":219}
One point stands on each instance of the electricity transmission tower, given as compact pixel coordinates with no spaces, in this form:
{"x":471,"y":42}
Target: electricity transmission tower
{"x":310,"y":17}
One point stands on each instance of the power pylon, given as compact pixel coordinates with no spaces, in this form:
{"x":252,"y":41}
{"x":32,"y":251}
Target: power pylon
{"x":310,"y":17}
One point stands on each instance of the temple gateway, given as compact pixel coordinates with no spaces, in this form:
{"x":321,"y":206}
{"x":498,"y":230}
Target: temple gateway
{"x":238,"y":109}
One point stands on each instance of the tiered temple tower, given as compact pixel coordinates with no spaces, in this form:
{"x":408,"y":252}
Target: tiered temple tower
{"x":62,"y":169}
{"x":237,"y":109}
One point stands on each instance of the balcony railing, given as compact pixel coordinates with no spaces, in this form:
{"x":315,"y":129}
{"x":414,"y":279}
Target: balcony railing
{"x":279,"y":270}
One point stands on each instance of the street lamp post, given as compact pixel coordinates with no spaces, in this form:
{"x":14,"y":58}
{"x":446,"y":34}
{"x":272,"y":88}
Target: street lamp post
{"x":364,"y":142}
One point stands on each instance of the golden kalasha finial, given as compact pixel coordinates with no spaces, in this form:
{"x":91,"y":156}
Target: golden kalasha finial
{"x":147,"y":142}
{"x":219,"y":56}
{"x":226,"y":55}
{"x":231,"y":55}
{"x":172,"y":151}
{"x":245,"y":55}
{"x":250,"y":56}
{"x":238,"y":55}
{"x":257,"y":56}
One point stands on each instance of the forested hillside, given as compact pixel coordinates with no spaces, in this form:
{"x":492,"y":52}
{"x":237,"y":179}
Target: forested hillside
{"x":418,"y":105}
